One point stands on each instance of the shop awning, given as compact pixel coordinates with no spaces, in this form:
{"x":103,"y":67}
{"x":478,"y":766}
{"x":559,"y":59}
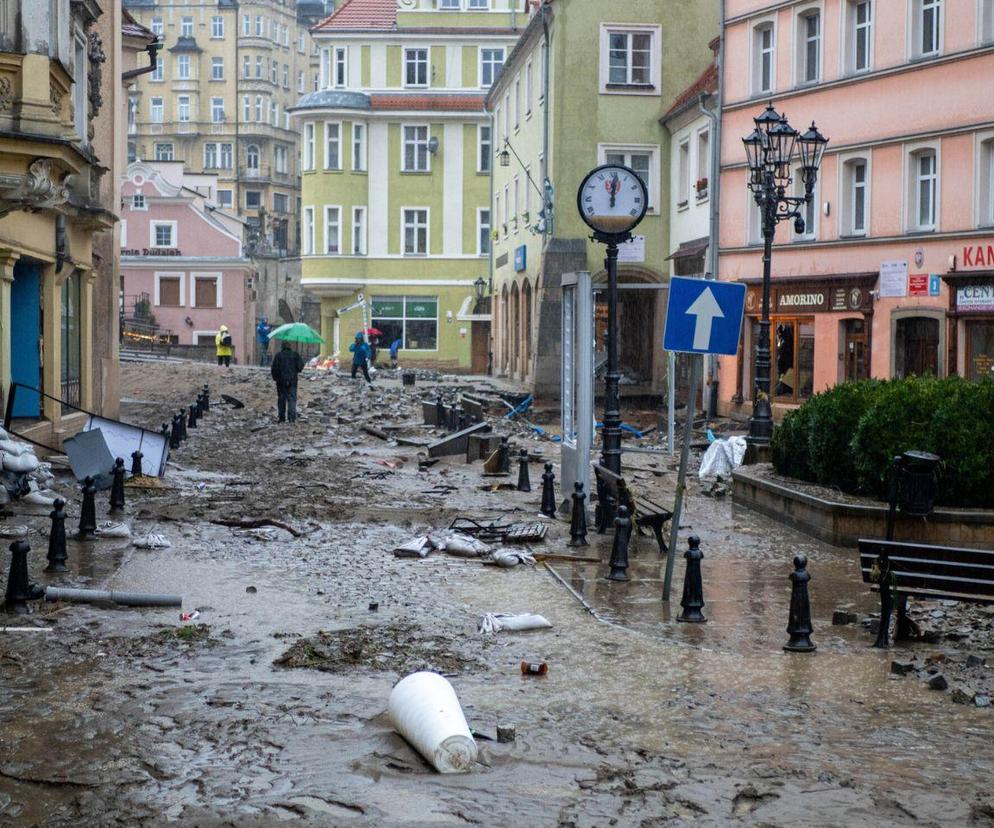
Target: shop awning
{"x":691,"y":249}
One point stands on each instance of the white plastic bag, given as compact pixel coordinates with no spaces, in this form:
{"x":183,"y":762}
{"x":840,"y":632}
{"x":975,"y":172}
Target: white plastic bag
{"x":508,"y":558}
{"x":425,"y":710}
{"x":464,"y":546}
{"x":109,"y":529}
{"x":722,"y":456}
{"x":495,"y":622}
{"x":152,"y":540}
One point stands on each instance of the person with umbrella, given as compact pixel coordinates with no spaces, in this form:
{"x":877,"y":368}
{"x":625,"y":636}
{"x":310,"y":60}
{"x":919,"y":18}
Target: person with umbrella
{"x":287,"y":364}
{"x":360,"y":356}
{"x":374,"y":335}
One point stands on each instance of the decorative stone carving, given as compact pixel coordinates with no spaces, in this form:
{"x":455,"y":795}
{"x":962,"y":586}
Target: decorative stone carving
{"x":6,"y":94}
{"x":56,"y":98}
{"x":97,"y":58}
{"x":37,"y":190}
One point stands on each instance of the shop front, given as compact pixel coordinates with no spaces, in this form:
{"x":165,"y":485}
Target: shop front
{"x":820,"y":335}
{"x":971,"y":312}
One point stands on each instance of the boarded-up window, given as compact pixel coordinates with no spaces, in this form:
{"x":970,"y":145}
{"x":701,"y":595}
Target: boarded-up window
{"x":206,"y":295}
{"x":169,"y":291}
{"x":205,"y":339}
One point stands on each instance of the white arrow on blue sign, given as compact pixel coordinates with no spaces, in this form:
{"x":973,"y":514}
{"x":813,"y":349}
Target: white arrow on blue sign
{"x":703,"y":317}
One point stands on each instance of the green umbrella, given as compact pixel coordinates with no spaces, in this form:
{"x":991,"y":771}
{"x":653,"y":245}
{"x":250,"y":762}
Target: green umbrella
{"x":296,"y":332}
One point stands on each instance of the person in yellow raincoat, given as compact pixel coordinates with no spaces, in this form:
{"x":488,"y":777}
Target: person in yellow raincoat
{"x":222,"y":343}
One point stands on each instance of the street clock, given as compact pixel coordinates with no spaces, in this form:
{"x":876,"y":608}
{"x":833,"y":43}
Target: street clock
{"x":612,"y":200}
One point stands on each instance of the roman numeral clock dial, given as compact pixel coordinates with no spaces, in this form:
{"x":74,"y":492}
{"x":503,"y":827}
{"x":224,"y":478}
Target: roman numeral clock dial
{"x":612,"y":200}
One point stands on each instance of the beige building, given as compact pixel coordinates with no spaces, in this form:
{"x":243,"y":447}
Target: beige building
{"x":219,"y":98}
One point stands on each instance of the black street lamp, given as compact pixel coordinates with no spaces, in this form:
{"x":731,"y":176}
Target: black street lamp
{"x":771,"y":150}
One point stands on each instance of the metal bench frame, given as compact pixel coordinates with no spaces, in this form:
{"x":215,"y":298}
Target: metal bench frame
{"x":614,"y":491}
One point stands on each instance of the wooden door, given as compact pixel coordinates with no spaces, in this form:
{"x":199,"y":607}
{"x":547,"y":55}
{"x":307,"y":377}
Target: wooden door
{"x":480,"y":361}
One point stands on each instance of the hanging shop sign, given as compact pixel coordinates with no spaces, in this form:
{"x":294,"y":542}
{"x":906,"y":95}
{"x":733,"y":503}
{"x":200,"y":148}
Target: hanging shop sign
{"x":814,"y":297}
{"x":975,"y":298}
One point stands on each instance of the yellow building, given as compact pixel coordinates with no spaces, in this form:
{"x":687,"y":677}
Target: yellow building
{"x":59,"y":69}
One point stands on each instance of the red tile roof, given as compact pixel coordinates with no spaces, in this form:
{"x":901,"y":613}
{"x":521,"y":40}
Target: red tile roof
{"x":468,"y":103}
{"x":706,"y":83}
{"x":361,"y":14}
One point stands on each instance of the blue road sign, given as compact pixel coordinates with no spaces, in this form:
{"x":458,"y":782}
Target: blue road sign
{"x":703,"y":317}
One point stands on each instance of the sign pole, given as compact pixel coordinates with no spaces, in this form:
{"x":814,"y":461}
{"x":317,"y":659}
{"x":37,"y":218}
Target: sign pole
{"x":681,"y":483}
{"x":611,"y":434}
{"x":671,"y":403}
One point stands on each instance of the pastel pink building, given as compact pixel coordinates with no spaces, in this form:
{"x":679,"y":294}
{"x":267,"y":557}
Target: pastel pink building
{"x":894,"y":273}
{"x":182,"y":262}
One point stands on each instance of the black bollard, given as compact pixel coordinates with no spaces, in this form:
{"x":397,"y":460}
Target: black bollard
{"x":693,"y":585}
{"x":578,"y":518}
{"x":799,"y":623}
{"x":117,"y":487}
{"x":504,"y":457}
{"x":136,"y":463}
{"x":619,"y":549}
{"x":207,"y":399}
{"x":440,"y":411}
{"x":884,"y":577}
{"x":201,"y":405}
{"x":524,"y":481}
{"x":57,"y":555}
{"x":548,"y":492}
{"x":165,"y":430}
{"x":19,"y":591}
{"x":460,"y":419}
{"x":191,"y":418}
{"x":174,"y":434}
{"x":88,"y":511}
{"x":181,"y":414}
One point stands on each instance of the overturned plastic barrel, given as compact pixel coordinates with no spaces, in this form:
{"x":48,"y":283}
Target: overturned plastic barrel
{"x":102,"y":596}
{"x":425,"y":711}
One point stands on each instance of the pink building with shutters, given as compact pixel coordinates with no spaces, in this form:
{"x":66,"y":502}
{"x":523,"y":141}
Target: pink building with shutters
{"x":894,"y":273}
{"x":183,"y":266}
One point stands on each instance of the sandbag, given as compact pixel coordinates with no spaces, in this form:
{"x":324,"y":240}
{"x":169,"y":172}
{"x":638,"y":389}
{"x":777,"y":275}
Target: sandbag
{"x":424,"y":709}
{"x":463,"y":545}
{"x":21,"y":464}
{"x":11,"y":447}
{"x":109,"y":529}
{"x":496,"y":622}
{"x":152,"y":540}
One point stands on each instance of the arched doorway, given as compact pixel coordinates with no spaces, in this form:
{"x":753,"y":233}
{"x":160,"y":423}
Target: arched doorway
{"x":524,"y":369}
{"x":503,"y":333}
{"x":513,"y":329}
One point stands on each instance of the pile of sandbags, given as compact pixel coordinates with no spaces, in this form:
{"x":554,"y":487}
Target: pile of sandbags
{"x":22,"y":476}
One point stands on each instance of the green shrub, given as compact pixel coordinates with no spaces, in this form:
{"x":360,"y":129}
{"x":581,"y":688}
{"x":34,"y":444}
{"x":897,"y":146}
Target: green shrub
{"x":963,"y":434}
{"x":789,"y":446}
{"x":832,"y":420}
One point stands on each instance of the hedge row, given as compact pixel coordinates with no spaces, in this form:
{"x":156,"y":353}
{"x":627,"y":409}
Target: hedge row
{"x":846,"y":437}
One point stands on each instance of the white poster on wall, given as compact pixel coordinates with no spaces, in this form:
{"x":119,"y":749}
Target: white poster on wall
{"x":893,"y":279}
{"x":633,"y":251}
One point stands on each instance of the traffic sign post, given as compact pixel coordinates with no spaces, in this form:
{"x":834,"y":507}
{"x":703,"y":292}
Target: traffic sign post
{"x":702,"y":317}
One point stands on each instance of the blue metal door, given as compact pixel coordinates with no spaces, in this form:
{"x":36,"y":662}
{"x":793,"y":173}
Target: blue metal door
{"x":25,"y":337}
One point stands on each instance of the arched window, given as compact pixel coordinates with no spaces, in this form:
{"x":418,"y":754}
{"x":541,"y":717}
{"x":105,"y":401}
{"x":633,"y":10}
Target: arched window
{"x":252,"y":157}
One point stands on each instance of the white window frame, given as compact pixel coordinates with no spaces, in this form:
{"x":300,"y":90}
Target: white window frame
{"x":517,"y":102}
{"x":183,"y":109}
{"x":217,"y":109}
{"x":479,"y":231}
{"x":359,"y":231}
{"x":984,"y":165}
{"x":184,"y":67}
{"x":851,"y":28}
{"x":847,"y":194}
{"x":494,"y":72}
{"x":308,"y":146}
{"x":488,"y":145}
{"x":812,"y":227}
{"x":340,"y":67}
{"x":139,"y":205}
{"x":186,"y":26}
{"x":529,"y":92}
{"x":155,"y":150}
{"x":756,"y":53}
{"x":702,"y":149}
{"x":683,"y":174}
{"x":404,"y":143}
{"x":215,"y":149}
{"x":477,"y":5}
{"x":802,"y":14}
{"x":246,"y":109}
{"x":985,"y":19}
{"x":912,"y":155}
{"x":246,"y":25}
{"x":516,"y":216}
{"x":217,"y":68}
{"x":173,"y":232}
{"x":330,"y":209}
{"x":358,"y":146}
{"x":403,"y":231}
{"x":337,"y":125}
{"x":409,"y":50}
{"x":262,"y":199}
{"x":217,"y":27}
{"x":917,"y":10}
{"x":230,"y":200}
{"x":449,"y":5}
{"x":158,"y":74}
{"x":260,"y":26}
{"x":253,"y":151}
{"x":653,"y":150}
{"x":259,"y":110}
{"x":157,"y":26}
{"x":195,"y":276}
{"x":170,"y":274}
{"x":655,"y":51}
{"x":307,"y":231}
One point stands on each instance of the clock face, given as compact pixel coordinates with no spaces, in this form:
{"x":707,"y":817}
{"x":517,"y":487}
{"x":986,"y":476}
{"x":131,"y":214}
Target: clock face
{"x":612,"y":199}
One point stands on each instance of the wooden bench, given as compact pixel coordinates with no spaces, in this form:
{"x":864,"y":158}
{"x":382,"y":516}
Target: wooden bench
{"x":614,"y":491}
{"x":919,"y":570}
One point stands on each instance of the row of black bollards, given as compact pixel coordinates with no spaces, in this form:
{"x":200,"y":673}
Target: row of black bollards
{"x":177,"y":430}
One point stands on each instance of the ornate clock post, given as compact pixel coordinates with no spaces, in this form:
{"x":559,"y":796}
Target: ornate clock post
{"x":612,"y":200}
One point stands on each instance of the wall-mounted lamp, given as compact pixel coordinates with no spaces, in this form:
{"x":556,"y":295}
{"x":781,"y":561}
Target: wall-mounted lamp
{"x":480,"y":286}
{"x":505,"y":158}
{"x":189,"y":321}
{"x":433,"y":145}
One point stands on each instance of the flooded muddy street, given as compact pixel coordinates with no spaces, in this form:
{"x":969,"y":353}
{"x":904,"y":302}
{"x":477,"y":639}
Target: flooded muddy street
{"x":271,"y":706}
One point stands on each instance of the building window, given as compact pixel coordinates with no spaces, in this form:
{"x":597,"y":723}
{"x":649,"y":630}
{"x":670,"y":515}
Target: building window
{"x":855,"y":183}
{"x":138,"y":202}
{"x":224,"y":198}
{"x":763,"y":53}
{"x":448,"y":4}
{"x":246,"y":25}
{"x":210,"y":156}
{"x":71,"y":341}
{"x":683,"y":175}
{"x":986,"y":182}
{"x":415,"y":67}
{"x":859,"y":35}
{"x":183,"y":67}
{"x":703,"y":164}
{"x":415,"y":223}
{"x":924,"y":179}
{"x":341,"y":67}
{"x":517,"y":204}
{"x":281,"y":203}
{"x":359,"y":147}
{"x":808,"y":210}
{"x":332,"y":229}
{"x":164,"y":233}
{"x":260,"y":66}
{"x":809,"y":47}
{"x":252,"y":157}
{"x":300,"y":82}
{"x":411,"y":319}
{"x":246,"y":108}
{"x":308,"y":231}
{"x":529,"y":83}
{"x":168,"y":291}
{"x":644,"y":162}
{"x":253,"y":199}
{"x":186,"y":27}
{"x":359,"y":231}
{"x":478,"y":5}
{"x":979,"y":350}
{"x":183,"y":108}
{"x":206,"y":291}
{"x":792,"y":358}
{"x":217,"y":68}
{"x":217,"y":110}
{"x":987,"y":21}
{"x":517,"y":102}
{"x":927,"y":27}
{"x":280,"y":156}
{"x":260,"y":27}
{"x":485,"y":150}
{"x":483,"y":232}
{"x":301,"y":43}
{"x":258,"y":110}
{"x":332,"y":146}
{"x":415,"y":149}
{"x":157,"y":27}
{"x":628,"y":59}
{"x":274,"y":69}
{"x":916,"y":347}
{"x":246,"y":67}
{"x":543,"y":76}
{"x":507,"y":116}
{"x":491,"y":62}
{"x":164,"y":152}
{"x":217,"y":26}
{"x":507,"y":207}
{"x":286,"y":76}
{"x":308,"y":146}
{"x":159,"y":73}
